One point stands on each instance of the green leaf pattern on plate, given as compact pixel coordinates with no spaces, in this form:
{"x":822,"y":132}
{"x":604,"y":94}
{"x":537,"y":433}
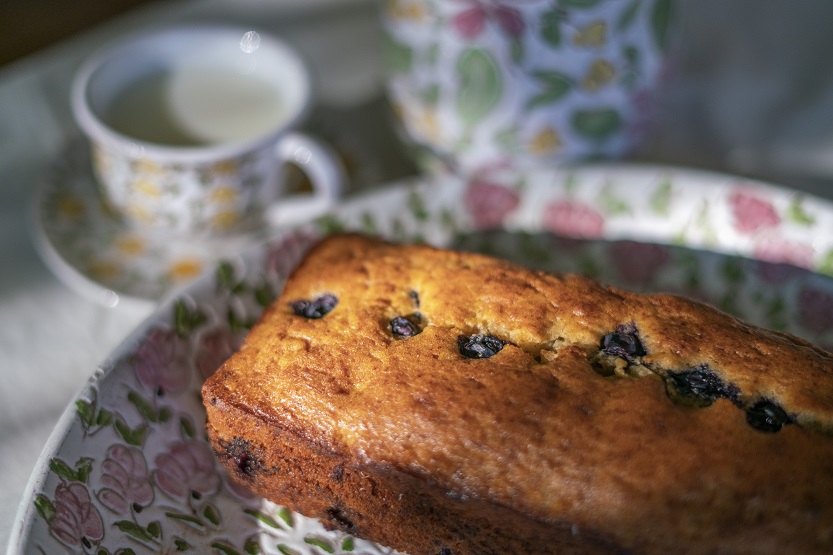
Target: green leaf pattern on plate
{"x":144,"y":414}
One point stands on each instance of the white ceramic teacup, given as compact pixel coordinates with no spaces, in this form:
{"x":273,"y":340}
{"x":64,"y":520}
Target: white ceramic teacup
{"x":191,"y":126}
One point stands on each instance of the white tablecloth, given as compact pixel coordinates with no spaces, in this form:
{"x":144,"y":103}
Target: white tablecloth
{"x":754,"y":95}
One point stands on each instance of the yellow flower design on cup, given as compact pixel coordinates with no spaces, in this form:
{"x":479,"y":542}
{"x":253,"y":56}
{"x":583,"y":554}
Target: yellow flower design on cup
{"x":428,"y":125}
{"x":147,"y":166}
{"x":225,"y":220}
{"x":139,"y":213}
{"x":600,"y":74}
{"x":70,"y":207}
{"x":226,"y":194}
{"x":104,"y":270}
{"x":147,"y":188}
{"x":130,"y":245}
{"x":226,"y":167}
{"x":407,"y":11}
{"x":594,"y":35}
{"x":185,"y":269}
{"x":546,"y":141}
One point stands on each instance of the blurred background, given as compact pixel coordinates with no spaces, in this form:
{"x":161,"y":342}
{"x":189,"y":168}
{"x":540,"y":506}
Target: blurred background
{"x":31,"y":25}
{"x":753,"y":89}
{"x":751,"y":94}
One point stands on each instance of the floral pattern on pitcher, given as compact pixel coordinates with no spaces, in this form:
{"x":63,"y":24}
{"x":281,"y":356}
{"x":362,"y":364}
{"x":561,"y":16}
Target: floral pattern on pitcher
{"x":537,"y":82}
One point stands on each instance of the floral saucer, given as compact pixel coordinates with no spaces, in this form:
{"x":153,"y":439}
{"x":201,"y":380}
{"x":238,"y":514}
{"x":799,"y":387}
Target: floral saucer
{"x":129,"y":470}
{"x":98,"y":255}
{"x":93,"y":251}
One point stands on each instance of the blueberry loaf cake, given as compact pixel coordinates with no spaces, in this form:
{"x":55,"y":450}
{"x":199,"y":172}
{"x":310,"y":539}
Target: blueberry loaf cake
{"x":441,"y":402}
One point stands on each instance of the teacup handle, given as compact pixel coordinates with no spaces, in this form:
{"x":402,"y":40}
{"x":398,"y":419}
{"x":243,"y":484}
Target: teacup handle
{"x":325,"y":172}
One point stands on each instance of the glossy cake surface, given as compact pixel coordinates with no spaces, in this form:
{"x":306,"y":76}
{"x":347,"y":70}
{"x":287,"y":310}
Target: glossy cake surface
{"x":447,"y":402}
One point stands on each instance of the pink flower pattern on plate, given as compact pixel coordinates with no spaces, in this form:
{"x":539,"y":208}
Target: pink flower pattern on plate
{"x":76,"y":520}
{"x":215,"y":347}
{"x":471,"y":21}
{"x":780,"y":250}
{"x":751,"y":212}
{"x":489,"y":203}
{"x":780,"y":259}
{"x":285,"y":253}
{"x":162,"y":362}
{"x":188,"y":466}
{"x":815,"y":308}
{"x":573,"y":219}
{"x":76,"y":516}
{"x":638,"y":262}
{"x":125,"y":479}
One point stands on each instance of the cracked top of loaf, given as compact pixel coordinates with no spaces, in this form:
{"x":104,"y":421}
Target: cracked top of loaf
{"x":550,"y":394}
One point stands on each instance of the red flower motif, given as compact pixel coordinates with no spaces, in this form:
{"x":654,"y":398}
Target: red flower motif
{"x":638,"y":262}
{"x":215,"y":347}
{"x":777,"y":249}
{"x":471,"y":21}
{"x":239,"y":490}
{"x":187,"y":467}
{"x":284,"y":255}
{"x":489,"y":203}
{"x":162,"y":363}
{"x":573,"y":219}
{"x":125,"y":479}
{"x":76,"y":519}
{"x":752,"y":213}
{"x":815,"y":308}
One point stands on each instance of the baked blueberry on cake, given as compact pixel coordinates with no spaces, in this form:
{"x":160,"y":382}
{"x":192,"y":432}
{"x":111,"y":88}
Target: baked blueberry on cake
{"x":447,"y":402}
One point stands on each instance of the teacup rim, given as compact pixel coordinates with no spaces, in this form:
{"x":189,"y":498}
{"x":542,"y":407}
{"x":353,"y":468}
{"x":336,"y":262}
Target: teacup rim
{"x":105,"y":136}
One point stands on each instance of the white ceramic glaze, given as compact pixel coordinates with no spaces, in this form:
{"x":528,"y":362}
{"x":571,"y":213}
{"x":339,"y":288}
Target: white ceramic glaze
{"x":210,"y":188}
{"x":484,"y":84}
{"x":137,"y":425}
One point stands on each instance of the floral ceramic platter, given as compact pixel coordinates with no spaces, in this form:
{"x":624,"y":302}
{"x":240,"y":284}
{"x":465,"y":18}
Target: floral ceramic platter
{"x":129,"y":470}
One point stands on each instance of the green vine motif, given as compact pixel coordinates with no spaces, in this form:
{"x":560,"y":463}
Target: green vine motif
{"x":150,"y":533}
{"x":554,"y":86}
{"x":597,"y":124}
{"x":661,"y":21}
{"x":628,"y":15}
{"x":481,"y":86}
{"x":660,"y":199}
{"x":797,"y":213}
{"x":611,"y":203}
{"x":320,"y":543}
{"x":132,"y":436}
{"x":283,"y":514}
{"x":148,"y":410}
{"x":186,"y":319}
{"x":551,"y":28}
{"x":93,"y":419}
{"x":80,"y":472}
{"x":202,"y":517}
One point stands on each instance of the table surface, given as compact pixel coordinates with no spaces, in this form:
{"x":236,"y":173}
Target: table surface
{"x":740,"y":104}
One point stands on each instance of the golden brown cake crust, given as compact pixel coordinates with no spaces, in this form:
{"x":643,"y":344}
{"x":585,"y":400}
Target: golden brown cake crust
{"x":556,"y":444}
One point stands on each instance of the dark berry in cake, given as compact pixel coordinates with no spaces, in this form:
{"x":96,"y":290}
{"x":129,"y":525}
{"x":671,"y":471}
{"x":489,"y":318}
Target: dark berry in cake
{"x":406,"y":326}
{"x":317,"y":308}
{"x":479,"y":346}
{"x":698,"y":387}
{"x":767,"y":416}
{"x":624,"y":343}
